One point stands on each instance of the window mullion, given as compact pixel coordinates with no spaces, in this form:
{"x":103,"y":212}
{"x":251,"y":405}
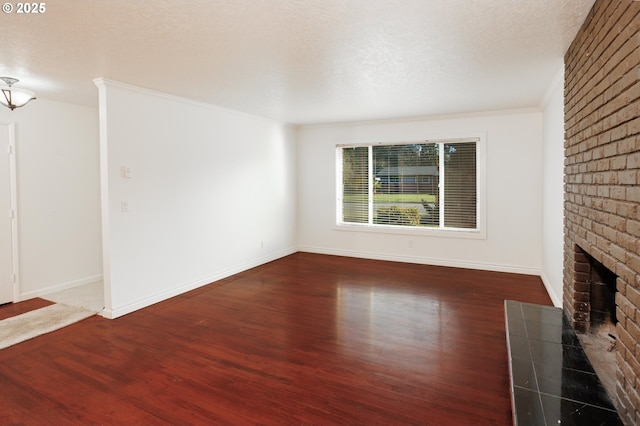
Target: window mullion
{"x":370,"y":185}
{"x":339,"y":186}
{"x":441,"y":185}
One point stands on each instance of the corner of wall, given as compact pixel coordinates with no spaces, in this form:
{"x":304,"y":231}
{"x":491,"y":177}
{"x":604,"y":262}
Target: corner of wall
{"x":555,"y":297}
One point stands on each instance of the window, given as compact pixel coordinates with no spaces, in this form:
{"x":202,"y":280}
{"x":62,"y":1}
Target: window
{"x":426,"y":185}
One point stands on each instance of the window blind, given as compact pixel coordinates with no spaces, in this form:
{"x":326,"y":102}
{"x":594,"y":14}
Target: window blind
{"x":355,"y":184}
{"x":460,"y":185}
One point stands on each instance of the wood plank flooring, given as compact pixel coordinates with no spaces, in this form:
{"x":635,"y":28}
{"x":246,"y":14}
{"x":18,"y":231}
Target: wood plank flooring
{"x":307,"y":339}
{"x":12,"y":309}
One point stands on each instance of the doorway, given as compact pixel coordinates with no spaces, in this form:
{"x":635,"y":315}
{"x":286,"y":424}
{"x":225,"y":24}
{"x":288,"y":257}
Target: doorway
{"x":8,"y":225}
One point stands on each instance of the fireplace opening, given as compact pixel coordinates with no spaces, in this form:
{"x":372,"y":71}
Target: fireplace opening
{"x":598,"y":337}
{"x":603,"y":300}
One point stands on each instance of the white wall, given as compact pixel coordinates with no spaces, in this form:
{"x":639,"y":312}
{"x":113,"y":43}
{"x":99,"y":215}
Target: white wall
{"x":213,"y":193}
{"x":57,"y":162}
{"x":553,"y":191}
{"x":514,"y":193}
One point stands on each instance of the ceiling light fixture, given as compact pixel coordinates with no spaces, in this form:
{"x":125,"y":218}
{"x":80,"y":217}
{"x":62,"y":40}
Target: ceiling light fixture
{"x":11,"y":97}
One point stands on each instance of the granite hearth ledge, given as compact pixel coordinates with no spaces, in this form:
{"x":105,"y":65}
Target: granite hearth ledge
{"x":552,"y":380}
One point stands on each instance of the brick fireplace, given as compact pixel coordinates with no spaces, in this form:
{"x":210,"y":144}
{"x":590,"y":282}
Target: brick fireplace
{"x":602,"y":183}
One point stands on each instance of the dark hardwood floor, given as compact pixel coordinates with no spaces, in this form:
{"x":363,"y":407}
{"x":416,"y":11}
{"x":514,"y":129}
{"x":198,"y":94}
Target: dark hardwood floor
{"x":307,"y":339}
{"x":12,"y":309}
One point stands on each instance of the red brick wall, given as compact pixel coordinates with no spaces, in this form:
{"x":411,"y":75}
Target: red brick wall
{"x":602,"y":177}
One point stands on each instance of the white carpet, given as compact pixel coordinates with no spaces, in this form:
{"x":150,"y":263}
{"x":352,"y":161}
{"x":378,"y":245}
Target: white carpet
{"x":35,"y":323}
{"x":89,"y":296}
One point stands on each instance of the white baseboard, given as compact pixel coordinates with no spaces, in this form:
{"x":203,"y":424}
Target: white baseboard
{"x":119,"y":311}
{"x":424,"y":260}
{"x":59,"y":287}
{"x":555,"y":298}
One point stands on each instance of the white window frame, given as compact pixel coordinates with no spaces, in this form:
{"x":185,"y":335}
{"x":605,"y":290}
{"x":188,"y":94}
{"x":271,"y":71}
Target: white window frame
{"x":481,"y":191}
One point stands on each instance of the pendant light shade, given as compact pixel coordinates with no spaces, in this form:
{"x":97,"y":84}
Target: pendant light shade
{"x":13,"y":97}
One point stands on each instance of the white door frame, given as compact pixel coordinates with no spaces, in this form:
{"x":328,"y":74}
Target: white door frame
{"x":15,"y":264}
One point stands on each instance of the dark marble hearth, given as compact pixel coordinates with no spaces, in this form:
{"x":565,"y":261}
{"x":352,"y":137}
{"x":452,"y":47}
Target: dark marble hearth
{"x":552,"y":381}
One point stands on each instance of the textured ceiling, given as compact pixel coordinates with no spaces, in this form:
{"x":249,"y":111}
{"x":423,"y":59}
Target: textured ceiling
{"x":310,"y":61}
